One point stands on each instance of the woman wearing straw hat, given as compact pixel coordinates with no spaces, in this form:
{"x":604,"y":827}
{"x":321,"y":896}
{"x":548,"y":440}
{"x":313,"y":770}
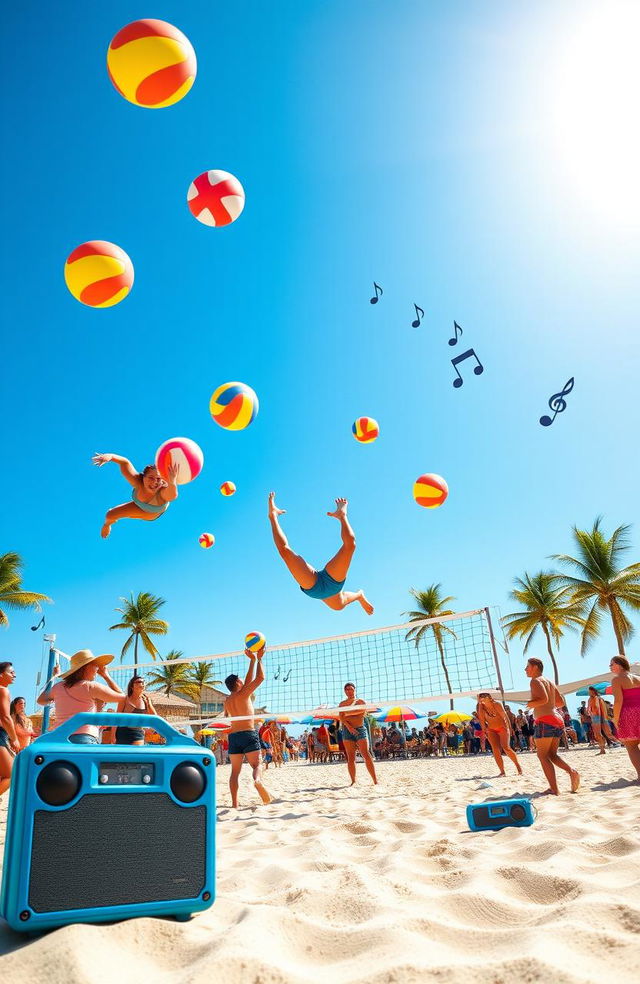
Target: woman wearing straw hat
{"x":77,"y":691}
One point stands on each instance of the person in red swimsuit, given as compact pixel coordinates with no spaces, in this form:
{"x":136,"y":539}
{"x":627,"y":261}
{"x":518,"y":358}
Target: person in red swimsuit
{"x":549,"y":726}
{"x":497,"y":727}
{"x":626,"y":708}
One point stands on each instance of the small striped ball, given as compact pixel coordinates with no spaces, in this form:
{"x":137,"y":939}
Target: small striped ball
{"x":215,"y":198}
{"x":206,"y":540}
{"x":430,"y":491}
{"x":365,"y":430}
{"x":228,"y":488}
{"x":233,"y":406}
{"x":254,"y":641}
{"x":99,"y":274}
{"x":151,"y":63}
{"x":183,"y":452}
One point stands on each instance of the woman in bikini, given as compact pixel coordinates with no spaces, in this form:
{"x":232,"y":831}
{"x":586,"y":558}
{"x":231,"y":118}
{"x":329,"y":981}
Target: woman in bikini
{"x":598,"y":712}
{"x":151,"y":494}
{"x":22,"y":723}
{"x":495,"y":724}
{"x":136,"y":702}
{"x":327,"y":584}
{"x":626,"y":708}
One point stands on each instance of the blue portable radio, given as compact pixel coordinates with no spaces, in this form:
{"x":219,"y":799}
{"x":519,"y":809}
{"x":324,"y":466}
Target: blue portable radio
{"x":105,"y":832}
{"x":496,"y":814}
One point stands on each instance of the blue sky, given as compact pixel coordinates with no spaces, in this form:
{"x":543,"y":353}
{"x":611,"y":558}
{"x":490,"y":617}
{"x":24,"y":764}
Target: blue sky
{"x":416,"y":144}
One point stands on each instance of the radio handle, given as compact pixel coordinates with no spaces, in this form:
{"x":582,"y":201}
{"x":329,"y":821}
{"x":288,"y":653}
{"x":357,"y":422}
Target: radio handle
{"x":115,"y":720}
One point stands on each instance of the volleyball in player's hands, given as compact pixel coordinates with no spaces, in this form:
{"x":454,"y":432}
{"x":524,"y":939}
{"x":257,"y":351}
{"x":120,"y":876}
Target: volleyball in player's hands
{"x":254,"y":641}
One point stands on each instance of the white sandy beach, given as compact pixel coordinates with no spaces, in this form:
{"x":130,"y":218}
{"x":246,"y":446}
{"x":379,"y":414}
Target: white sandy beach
{"x":387,"y":884}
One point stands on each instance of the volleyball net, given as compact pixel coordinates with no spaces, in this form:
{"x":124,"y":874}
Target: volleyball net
{"x":429,"y":660}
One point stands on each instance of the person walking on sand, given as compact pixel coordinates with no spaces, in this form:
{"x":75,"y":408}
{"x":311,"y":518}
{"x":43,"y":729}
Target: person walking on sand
{"x":626,"y":708}
{"x":354,"y":735}
{"x":496,"y":724}
{"x":599,"y":723}
{"x":549,"y":726}
{"x":243,"y":738}
{"x":326,"y":585}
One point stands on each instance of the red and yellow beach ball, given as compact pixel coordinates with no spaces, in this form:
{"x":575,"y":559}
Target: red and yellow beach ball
{"x":365,"y":430}
{"x":430,"y":491}
{"x":228,"y":488}
{"x":234,"y":405}
{"x":215,"y":198}
{"x":206,"y":540}
{"x":99,"y":274}
{"x":151,"y":63}
{"x":184,"y":453}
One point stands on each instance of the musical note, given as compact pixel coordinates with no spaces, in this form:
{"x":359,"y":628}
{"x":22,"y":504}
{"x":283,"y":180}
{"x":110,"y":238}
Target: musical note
{"x":557,"y":403}
{"x":456,"y":328}
{"x":478,"y":370}
{"x":285,"y":678}
{"x":374,"y":300}
{"x":276,"y":675}
{"x":419,"y":315}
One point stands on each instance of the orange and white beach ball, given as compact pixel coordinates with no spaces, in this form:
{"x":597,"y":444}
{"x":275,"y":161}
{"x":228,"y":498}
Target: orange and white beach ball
{"x":206,"y":540}
{"x":430,"y":491}
{"x":365,"y":430}
{"x":99,"y":274}
{"x":184,"y":453}
{"x":215,"y":198}
{"x":228,"y":488}
{"x":151,"y":63}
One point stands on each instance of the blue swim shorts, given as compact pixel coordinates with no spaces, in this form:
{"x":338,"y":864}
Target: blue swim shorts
{"x":5,"y":741}
{"x":360,"y":733}
{"x":325,"y":586}
{"x":243,"y":742}
{"x":544,"y":730}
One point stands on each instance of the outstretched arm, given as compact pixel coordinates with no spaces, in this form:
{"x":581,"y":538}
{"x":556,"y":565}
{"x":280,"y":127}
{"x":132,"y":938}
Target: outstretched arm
{"x":251,"y":672}
{"x":251,"y":687}
{"x":127,"y":469}
{"x":170,"y":490}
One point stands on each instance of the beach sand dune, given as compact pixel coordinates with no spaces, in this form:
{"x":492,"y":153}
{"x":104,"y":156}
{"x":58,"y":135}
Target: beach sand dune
{"x":386,"y":884}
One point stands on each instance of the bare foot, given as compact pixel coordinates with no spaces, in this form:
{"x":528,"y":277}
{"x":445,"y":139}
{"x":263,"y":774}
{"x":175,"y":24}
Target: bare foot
{"x":273,"y":509}
{"x":340,"y":510}
{"x":365,"y":604}
{"x":550,"y":792}
{"x":105,"y":531}
{"x":575,"y":781}
{"x":603,"y":752}
{"x":520,"y":772}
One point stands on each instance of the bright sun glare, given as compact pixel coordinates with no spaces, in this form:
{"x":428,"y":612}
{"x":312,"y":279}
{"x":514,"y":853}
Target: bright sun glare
{"x":596,"y":113}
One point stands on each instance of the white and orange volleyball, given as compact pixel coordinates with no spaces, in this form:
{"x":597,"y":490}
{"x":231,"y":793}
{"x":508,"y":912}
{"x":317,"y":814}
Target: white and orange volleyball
{"x":184,"y":453}
{"x":254,"y":641}
{"x":98,"y":274}
{"x":228,"y":488}
{"x":206,"y":540}
{"x":151,"y":63}
{"x":215,"y":198}
{"x":430,"y":491}
{"x":365,"y":430}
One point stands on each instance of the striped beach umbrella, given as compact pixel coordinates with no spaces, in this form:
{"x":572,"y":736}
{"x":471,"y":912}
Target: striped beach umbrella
{"x":401,"y":712}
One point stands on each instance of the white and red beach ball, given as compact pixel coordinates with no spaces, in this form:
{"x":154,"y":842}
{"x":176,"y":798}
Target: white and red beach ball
{"x":215,"y":198}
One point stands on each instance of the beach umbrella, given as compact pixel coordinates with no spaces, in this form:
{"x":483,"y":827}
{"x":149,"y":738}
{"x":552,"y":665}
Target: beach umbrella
{"x":213,"y":727}
{"x":401,"y":712}
{"x":452,"y":717}
{"x":602,"y":688}
{"x":282,"y":719}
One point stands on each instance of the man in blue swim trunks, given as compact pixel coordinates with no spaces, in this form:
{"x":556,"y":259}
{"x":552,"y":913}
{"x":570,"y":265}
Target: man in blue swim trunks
{"x":355,"y":735}
{"x":243,"y":738}
{"x":326,"y":585}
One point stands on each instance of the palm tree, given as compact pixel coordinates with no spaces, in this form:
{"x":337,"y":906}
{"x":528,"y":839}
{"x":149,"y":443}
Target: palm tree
{"x":431,"y":605}
{"x":546,"y":606}
{"x":170,"y":678}
{"x":139,"y":616}
{"x":11,"y":590}
{"x":199,"y":675}
{"x":601,"y":579}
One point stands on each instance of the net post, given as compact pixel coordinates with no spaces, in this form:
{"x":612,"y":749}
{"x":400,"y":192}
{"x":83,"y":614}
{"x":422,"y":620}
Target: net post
{"x":494,"y":651}
{"x":51,"y":639}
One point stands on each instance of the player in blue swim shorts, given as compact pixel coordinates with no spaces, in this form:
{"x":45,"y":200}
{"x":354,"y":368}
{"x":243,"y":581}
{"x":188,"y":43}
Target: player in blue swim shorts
{"x":326,"y":585}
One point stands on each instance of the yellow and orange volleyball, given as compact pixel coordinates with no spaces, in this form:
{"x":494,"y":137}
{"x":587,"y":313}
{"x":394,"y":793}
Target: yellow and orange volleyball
{"x":151,"y":63}
{"x":228,"y":488}
{"x":206,"y":540}
{"x":99,"y":274}
{"x":430,"y":491}
{"x":254,"y":641}
{"x":365,"y":430}
{"x":234,"y":405}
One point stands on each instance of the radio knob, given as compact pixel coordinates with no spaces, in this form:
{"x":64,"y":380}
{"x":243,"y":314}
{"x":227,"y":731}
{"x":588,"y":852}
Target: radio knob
{"x":146,"y":779}
{"x":188,"y":782}
{"x":104,"y":779}
{"x":58,"y":783}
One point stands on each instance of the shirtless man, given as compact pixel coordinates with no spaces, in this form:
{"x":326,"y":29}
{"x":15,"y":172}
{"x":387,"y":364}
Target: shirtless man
{"x":549,"y":726}
{"x":243,"y":738}
{"x":354,"y":735}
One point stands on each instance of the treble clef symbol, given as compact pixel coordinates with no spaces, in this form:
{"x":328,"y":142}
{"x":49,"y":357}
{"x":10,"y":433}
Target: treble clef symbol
{"x":557,"y":403}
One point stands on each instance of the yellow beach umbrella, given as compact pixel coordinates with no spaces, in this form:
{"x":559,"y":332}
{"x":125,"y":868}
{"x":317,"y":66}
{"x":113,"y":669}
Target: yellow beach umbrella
{"x":452,"y":717}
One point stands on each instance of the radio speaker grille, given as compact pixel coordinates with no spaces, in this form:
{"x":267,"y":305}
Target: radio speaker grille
{"x":123,"y":849}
